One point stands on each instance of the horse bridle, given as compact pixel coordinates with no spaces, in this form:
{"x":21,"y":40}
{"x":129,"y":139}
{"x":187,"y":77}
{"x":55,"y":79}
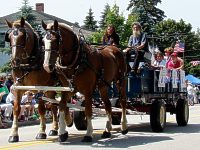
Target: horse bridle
{"x":59,"y":42}
{"x":49,"y":37}
{"x":16,"y":62}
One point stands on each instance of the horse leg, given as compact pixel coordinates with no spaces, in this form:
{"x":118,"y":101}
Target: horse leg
{"x":108,"y":109}
{"x":122,"y":97}
{"x":88,"y":114}
{"x":54,"y":130}
{"x":41,"y":111}
{"x":63,"y":134}
{"x":14,"y":137}
{"x":54,"y":111}
{"x":68,"y":116}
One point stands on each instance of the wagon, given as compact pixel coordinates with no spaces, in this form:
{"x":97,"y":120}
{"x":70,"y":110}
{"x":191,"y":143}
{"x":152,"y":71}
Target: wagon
{"x":157,"y":92}
{"x":154,"y":92}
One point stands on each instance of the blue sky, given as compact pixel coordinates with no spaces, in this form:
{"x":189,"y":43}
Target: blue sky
{"x":76,"y":10}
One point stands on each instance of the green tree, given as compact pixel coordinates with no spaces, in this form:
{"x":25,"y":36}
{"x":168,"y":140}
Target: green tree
{"x":26,"y":13}
{"x":146,"y":13}
{"x":89,"y":22}
{"x":102,"y":22}
{"x":112,"y":17}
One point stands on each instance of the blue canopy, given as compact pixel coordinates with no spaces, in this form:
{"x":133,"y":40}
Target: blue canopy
{"x":192,"y":79}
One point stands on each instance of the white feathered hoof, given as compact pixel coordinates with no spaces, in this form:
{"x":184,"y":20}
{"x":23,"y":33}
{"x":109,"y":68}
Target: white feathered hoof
{"x":41,"y":136}
{"x":125,"y":131}
{"x":53,"y":133}
{"x":106,"y":135}
{"x":63,"y":137}
{"x":13,"y":139}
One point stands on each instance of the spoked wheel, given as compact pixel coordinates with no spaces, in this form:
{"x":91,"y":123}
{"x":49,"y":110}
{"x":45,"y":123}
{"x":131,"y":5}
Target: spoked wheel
{"x":158,"y":116}
{"x":182,"y":112}
{"x":80,"y":121}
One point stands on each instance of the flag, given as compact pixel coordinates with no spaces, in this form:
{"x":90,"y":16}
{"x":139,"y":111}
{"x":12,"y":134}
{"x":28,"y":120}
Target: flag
{"x":179,"y":47}
{"x":195,"y":63}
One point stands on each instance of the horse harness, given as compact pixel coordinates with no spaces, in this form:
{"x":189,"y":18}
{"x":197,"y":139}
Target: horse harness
{"x":34,"y":59}
{"x":79,"y":64}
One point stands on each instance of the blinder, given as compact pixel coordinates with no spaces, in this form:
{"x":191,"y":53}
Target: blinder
{"x":7,"y":39}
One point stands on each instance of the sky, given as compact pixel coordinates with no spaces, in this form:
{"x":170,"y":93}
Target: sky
{"x":77,"y":10}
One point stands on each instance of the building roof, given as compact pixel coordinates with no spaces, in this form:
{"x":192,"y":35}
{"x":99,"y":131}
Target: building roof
{"x":39,"y":17}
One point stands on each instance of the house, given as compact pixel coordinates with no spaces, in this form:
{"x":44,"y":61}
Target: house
{"x":40,"y":15}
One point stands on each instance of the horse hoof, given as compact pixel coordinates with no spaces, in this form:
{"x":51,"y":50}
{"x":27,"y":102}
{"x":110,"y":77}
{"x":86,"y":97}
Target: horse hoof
{"x":125,"y":132}
{"x":13,"y":139}
{"x":106,"y":135}
{"x":53,"y":133}
{"x":41,"y":136}
{"x":87,"y":139}
{"x":63,"y":137}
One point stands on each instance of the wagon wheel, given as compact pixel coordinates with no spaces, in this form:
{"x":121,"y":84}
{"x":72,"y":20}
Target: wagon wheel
{"x":116,"y":118}
{"x":158,"y":116}
{"x":80,"y":121}
{"x":182,"y":112}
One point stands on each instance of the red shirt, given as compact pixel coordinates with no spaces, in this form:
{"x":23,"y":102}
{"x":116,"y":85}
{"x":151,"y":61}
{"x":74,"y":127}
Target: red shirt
{"x":172,"y":65}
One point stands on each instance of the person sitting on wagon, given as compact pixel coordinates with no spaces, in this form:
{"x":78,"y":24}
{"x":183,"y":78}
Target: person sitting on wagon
{"x":175,"y":62}
{"x":110,"y":37}
{"x":138,"y":43}
{"x":168,"y":51}
{"x":159,"y":62}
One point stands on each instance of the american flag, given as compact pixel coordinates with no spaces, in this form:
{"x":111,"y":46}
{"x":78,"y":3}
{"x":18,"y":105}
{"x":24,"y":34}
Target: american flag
{"x":195,"y":63}
{"x":179,"y":47}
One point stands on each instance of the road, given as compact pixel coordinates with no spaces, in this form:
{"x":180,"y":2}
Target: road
{"x":140,"y":136}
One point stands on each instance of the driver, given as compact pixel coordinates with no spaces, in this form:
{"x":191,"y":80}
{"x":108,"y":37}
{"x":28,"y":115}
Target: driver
{"x":138,"y":43}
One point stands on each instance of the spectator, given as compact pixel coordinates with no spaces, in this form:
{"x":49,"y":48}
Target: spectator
{"x":110,"y":37}
{"x":28,"y":102}
{"x":138,"y":43}
{"x":9,"y":81}
{"x":175,"y":62}
{"x":2,"y":126}
{"x":10,"y":100}
{"x":195,"y":94}
{"x":190,"y":93}
{"x":1,"y":81}
{"x":6,"y":107}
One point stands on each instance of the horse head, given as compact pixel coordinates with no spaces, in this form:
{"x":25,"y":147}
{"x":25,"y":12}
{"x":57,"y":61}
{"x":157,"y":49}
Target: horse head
{"x":21,"y":38}
{"x":61,"y":44}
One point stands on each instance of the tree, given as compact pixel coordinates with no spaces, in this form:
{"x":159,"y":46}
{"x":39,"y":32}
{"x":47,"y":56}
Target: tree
{"x":102,"y":22}
{"x":112,"y":17}
{"x":89,"y":22}
{"x":146,"y":13}
{"x":26,"y":13}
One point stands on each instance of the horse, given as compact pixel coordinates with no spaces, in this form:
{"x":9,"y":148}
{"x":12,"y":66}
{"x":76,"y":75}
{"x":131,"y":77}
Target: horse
{"x":73,"y":59}
{"x":27,"y":69}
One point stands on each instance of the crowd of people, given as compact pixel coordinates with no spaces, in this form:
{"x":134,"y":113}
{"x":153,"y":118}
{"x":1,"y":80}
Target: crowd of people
{"x":7,"y":97}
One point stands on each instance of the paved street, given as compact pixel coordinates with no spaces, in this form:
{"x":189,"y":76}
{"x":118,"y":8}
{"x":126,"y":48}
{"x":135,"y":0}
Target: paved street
{"x":140,"y":136}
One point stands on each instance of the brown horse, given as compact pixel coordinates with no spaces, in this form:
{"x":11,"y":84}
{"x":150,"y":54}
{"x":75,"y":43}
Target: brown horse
{"x":26,"y":62}
{"x":87,"y":69}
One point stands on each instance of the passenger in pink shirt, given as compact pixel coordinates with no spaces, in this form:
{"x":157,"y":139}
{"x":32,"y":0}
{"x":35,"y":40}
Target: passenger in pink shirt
{"x":175,"y":62}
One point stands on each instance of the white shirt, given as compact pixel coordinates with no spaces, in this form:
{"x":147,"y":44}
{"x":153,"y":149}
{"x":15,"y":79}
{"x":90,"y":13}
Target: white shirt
{"x":10,"y":98}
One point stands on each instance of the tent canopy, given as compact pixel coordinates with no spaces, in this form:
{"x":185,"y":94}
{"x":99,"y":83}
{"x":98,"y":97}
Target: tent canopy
{"x":192,"y":79}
